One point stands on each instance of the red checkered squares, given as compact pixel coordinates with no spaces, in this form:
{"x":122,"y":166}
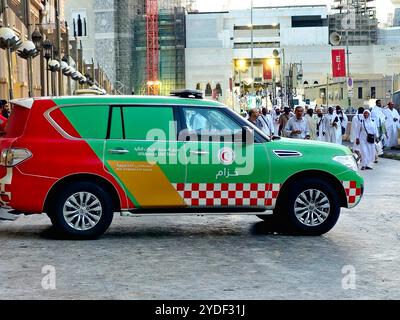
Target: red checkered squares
{"x":353,"y":193}
{"x":228,"y":194}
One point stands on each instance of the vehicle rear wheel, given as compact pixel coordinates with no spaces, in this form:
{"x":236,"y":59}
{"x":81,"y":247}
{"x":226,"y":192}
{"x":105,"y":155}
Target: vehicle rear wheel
{"x":83,"y":210}
{"x":312,"y":207}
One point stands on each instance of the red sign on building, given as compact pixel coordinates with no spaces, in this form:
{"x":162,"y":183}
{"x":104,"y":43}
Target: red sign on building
{"x":338,"y":63}
{"x":267,"y":72}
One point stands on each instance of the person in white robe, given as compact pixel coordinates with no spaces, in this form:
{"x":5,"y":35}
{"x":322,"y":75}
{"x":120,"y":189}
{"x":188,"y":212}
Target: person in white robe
{"x":312,"y":121}
{"x":367,"y":149}
{"x":264,"y":122}
{"x":321,"y":127}
{"x":332,"y":126}
{"x":379,"y":118}
{"x":355,"y":128}
{"x":343,"y":124}
{"x":392,"y":126}
{"x":275,"y":119}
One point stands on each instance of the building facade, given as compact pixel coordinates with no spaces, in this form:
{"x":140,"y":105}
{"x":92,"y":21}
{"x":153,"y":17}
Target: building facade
{"x":216,"y":42}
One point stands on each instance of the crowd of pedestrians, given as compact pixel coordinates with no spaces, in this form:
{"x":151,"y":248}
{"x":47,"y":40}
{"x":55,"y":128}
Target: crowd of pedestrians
{"x":371,"y":130}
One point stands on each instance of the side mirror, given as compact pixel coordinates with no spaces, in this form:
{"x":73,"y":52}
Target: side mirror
{"x":247,"y":135}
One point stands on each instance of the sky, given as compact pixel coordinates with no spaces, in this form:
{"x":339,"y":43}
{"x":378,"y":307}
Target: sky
{"x":383,"y":6}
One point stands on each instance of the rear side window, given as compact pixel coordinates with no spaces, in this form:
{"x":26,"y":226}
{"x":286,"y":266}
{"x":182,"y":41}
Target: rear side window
{"x":139,"y":121}
{"x":16,"y":123}
{"x":87,"y":122}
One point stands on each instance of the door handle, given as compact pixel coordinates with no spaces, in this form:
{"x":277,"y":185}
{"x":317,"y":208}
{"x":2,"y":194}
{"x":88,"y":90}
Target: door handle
{"x":199,"y":152}
{"x":118,"y":151}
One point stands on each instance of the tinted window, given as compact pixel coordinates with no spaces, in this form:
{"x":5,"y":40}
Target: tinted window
{"x":88,"y":122}
{"x":203,"y":120}
{"x":139,"y":121}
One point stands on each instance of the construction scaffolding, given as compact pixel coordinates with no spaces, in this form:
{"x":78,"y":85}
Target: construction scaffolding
{"x":355,"y":21}
{"x":171,"y":50}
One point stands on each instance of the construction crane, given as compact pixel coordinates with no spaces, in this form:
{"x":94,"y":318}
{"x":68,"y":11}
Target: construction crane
{"x":153,"y":83}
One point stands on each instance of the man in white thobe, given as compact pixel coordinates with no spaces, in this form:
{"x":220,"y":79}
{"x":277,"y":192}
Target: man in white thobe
{"x":264,"y":122}
{"x":312,"y":121}
{"x":356,"y":123}
{"x":379,"y":118}
{"x":392,"y":126}
{"x":343,"y":124}
{"x":275,"y":119}
{"x":332,"y":126}
{"x":297,"y":126}
{"x":321,"y":127}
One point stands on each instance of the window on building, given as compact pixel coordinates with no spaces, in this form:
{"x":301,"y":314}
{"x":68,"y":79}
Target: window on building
{"x":208,"y":90}
{"x":373,"y":92}
{"x":360,"y":92}
{"x":308,"y":21}
{"x":198,"y":86}
{"x":218,"y":89}
{"x":316,"y":82}
{"x":305,"y":83}
{"x":341,"y":93}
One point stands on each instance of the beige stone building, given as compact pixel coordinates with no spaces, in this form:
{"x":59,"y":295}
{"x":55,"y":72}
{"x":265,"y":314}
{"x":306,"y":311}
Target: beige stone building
{"x":19,"y":65}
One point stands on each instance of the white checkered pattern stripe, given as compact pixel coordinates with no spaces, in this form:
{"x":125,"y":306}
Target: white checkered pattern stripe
{"x":228,"y":194}
{"x":353,"y":193}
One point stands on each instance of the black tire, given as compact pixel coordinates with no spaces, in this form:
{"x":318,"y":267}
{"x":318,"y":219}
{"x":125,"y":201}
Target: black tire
{"x":64,"y":229}
{"x":286,"y":208}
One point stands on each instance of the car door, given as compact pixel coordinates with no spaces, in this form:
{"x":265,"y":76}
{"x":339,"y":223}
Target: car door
{"x":223,"y":169}
{"x":141,"y":151}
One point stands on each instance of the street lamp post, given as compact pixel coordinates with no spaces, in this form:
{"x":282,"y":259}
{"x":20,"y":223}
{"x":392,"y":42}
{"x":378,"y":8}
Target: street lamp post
{"x":54,"y":66}
{"x":58,"y":43}
{"x":9,"y":41}
{"x":47,"y":51}
{"x":252,"y":49}
{"x":37,"y":39}
{"x":28,"y":51}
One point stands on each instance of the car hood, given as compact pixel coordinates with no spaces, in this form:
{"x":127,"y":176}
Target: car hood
{"x":310,"y":145}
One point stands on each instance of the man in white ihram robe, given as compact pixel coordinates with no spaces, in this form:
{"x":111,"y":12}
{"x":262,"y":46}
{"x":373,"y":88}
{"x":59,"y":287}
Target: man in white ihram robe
{"x":368,"y":150}
{"x":355,"y":128}
{"x":332,"y":126}
{"x":392,"y":125}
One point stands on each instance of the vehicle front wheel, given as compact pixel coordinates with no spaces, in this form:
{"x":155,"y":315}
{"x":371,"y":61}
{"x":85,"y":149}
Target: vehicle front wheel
{"x":311,"y":207}
{"x":83,"y":210}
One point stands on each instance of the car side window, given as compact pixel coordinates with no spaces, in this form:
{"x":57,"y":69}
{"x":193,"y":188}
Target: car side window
{"x":87,"y":122}
{"x":142,"y":122}
{"x":209,"y":121}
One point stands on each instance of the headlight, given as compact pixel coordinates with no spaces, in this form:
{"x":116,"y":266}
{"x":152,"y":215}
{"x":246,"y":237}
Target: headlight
{"x":347,"y":161}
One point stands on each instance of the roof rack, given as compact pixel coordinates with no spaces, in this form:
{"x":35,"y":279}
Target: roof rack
{"x":186,"y":93}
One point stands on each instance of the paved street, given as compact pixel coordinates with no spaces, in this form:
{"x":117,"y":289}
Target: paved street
{"x":214,"y":257}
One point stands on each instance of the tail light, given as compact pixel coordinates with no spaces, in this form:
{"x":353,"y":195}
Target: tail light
{"x":13,"y":156}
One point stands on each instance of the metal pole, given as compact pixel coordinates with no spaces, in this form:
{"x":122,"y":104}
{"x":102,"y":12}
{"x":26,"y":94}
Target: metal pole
{"x":29,"y":60}
{"x":327,"y":91}
{"x":48,"y":93}
{"x":58,"y":42}
{"x":8,"y":51}
{"x":252,"y":50}
{"x":68,"y":60}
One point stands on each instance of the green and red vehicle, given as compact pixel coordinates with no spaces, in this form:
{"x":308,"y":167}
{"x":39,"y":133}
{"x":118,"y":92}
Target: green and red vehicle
{"x":81,"y":159}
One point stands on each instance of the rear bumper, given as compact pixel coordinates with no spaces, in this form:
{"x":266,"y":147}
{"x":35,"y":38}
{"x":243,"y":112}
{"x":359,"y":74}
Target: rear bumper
{"x":24,"y":193}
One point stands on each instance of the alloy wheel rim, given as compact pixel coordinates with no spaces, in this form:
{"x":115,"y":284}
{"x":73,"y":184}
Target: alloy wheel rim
{"x":82,"y":211}
{"x":312,"y":207}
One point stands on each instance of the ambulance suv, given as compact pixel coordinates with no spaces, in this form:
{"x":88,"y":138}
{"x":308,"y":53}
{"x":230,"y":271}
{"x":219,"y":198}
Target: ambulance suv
{"x":81,"y":159}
